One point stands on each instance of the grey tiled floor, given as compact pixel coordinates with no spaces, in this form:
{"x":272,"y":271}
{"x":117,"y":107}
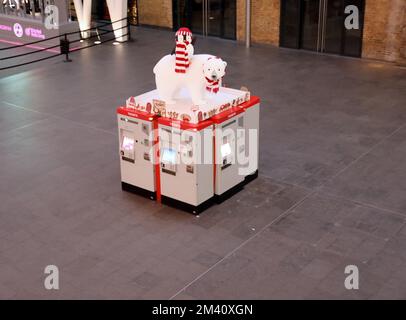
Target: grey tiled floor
{"x":331,"y":190}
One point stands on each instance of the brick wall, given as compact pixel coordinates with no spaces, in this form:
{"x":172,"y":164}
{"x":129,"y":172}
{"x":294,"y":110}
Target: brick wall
{"x":265,"y":16}
{"x":385,"y":30}
{"x":402,"y":49}
{"x":155,"y":12}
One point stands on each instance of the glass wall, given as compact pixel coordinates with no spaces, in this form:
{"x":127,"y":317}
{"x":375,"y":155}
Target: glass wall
{"x":318,"y":25}
{"x":208,"y":17}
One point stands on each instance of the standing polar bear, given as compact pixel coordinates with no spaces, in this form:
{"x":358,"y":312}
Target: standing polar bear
{"x":204,"y":74}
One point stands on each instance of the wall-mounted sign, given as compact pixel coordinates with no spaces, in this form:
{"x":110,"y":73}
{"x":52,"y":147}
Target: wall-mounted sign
{"x":36,"y":9}
{"x":21,"y":30}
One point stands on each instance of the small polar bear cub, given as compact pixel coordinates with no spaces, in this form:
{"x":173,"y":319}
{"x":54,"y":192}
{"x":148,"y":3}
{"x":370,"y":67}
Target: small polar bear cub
{"x":214,"y":70}
{"x":204,"y":74}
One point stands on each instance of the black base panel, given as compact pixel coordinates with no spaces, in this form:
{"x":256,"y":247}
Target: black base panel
{"x":137,"y":190}
{"x":237,"y":188}
{"x":186,"y":206}
{"x":251,"y":177}
{"x":229,"y":193}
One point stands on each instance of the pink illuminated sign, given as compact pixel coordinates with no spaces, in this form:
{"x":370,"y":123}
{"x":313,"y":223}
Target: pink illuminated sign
{"x":34,"y":33}
{"x":17,"y":29}
{"x":5,"y":28}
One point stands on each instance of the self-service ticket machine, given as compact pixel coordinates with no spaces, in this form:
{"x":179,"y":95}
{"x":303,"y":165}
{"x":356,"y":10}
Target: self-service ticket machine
{"x":136,"y":141}
{"x":229,"y":146}
{"x":186,"y":171}
{"x":249,"y":165}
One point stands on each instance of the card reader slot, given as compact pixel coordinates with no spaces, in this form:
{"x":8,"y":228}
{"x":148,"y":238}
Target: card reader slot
{"x":128,"y":159}
{"x":169,"y":172}
{"x":225,"y":166}
{"x":228,"y":124}
{"x":129,"y":120}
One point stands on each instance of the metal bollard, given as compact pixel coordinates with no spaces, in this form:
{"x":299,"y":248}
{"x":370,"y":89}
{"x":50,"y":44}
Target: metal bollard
{"x":64,"y":44}
{"x":129,"y":29}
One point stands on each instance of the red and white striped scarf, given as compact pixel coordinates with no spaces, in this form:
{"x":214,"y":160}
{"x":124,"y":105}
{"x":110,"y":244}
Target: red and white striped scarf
{"x":212,"y":85}
{"x":181,"y":58}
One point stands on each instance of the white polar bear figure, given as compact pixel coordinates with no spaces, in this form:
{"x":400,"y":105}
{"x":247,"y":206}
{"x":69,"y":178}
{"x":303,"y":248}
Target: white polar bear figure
{"x":204,"y":71}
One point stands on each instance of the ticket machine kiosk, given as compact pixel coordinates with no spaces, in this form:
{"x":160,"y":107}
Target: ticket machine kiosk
{"x":136,"y":141}
{"x":186,"y":171}
{"x":229,"y":146}
{"x":249,"y":166}
{"x":186,"y":156}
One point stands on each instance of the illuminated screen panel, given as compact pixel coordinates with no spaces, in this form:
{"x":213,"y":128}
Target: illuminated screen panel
{"x":169,"y":155}
{"x":225,"y":150}
{"x":128,"y":144}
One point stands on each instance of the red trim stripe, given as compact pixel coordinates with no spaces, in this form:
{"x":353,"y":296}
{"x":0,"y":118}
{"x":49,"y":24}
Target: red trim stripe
{"x":225,"y":115}
{"x":135,"y":113}
{"x":252,"y":102}
{"x":185,"y":125}
{"x":214,"y":159}
{"x":157,"y":167}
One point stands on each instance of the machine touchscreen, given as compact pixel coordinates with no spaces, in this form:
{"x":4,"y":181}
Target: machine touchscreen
{"x":169,"y":157}
{"x":127,"y":149}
